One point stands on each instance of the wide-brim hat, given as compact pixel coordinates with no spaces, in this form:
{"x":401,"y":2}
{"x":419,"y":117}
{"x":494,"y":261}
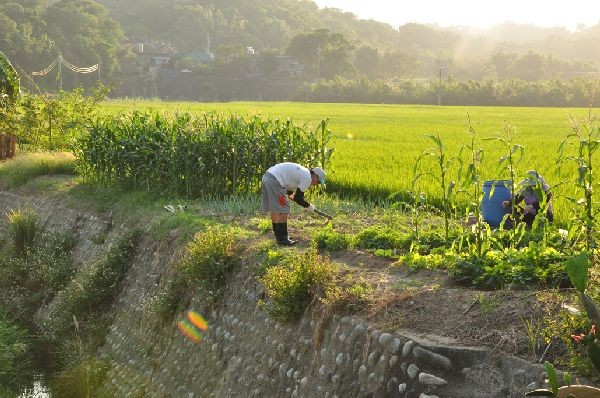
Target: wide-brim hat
{"x":320,"y":173}
{"x":532,"y":179}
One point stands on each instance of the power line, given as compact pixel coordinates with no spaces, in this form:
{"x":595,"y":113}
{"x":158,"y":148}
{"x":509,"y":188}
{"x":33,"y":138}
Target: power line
{"x":60,"y":61}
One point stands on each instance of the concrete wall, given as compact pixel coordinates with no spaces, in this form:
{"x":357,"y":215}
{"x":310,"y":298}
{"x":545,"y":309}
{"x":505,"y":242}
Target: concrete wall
{"x":247,"y":354}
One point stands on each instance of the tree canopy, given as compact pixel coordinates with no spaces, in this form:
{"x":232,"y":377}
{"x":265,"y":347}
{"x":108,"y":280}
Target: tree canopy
{"x":33,"y":33}
{"x":9,"y":82}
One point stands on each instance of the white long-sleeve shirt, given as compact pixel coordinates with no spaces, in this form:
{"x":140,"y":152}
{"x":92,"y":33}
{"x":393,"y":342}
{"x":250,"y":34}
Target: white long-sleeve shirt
{"x":292,"y":176}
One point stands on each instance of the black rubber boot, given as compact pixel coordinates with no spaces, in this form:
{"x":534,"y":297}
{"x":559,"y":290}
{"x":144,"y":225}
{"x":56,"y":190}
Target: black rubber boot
{"x":281,"y":234}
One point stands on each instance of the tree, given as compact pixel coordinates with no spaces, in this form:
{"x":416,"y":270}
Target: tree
{"x":84,"y":33}
{"x":9,"y":82}
{"x":321,"y":50}
{"x":529,"y":67}
{"x":398,"y":64}
{"x":367,"y":61}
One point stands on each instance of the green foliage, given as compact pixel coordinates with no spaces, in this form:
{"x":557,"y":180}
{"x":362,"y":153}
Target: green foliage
{"x":495,"y":269}
{"x":323,"y":50}
{"x":327,"y":238}
{"x":89,"y":295}
{"x":209,"y":259}
{"x":9,"y":83}
{"x":577,"y":268}
{"x":552,"y":377}
{"x":22,"y":228}
{"x":210,"y":156}
{"x":295,"y":282}
{"x":443,"y":165}
{"x":52,"y":122}
{"x":15,"y":355}
{"x":474,"y":92}
{"x":378,"y":237}
{"x":470,"y":184}
{"x":45,"y":270}
{"x":35,"y":33}
{"x":579,"y":148}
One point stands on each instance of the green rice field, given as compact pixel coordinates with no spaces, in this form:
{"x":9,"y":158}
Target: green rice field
{"x":376,"y":146}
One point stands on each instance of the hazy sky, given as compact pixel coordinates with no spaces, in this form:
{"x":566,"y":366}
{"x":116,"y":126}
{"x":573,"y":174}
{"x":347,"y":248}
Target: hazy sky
{"x":476,"y":13}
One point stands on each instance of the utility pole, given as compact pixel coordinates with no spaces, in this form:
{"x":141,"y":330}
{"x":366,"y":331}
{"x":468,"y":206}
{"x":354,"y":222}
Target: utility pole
{"x":60,"y":70}
{"x":440,"y":88}
{"x":318,"y":63}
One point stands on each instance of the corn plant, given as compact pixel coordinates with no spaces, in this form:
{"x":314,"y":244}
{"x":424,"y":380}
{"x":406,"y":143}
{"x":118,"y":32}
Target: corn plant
{"x":513,"y":155}
{"x":209,"y":156}
{"x":469,"y":177}
{"x":443,"y":164}
{"x":579,"y":148}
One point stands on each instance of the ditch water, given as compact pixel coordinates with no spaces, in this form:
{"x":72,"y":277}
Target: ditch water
{"x":38,"y":390}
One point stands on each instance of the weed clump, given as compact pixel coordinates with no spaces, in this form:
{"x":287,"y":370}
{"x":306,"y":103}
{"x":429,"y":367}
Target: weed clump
{"x":295,"y":282}
{"x":22,"y":228}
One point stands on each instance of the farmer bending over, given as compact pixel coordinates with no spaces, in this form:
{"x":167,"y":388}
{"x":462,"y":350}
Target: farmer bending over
{"x":287,"y":181}
{"x":529,"y":197}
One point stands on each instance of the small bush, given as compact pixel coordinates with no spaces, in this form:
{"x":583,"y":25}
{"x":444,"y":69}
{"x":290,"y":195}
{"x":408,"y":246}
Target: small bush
{"x":47,"y":268}
{"x":328,"y":239}
{"x":292,"y":284}
{"x":209,"y":258}
{"x":22,"y":227}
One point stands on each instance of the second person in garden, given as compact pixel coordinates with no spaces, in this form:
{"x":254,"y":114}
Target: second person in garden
{"x":533,"y":194}
{"x":281,"y":183}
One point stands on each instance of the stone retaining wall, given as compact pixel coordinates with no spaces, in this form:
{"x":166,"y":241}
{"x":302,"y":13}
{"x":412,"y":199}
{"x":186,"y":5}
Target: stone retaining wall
{"x":247,"y":354}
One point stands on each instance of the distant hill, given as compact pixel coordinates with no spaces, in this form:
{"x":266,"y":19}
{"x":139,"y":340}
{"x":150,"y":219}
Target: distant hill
{"x":263,"y":24}
{"x":271,"y":24}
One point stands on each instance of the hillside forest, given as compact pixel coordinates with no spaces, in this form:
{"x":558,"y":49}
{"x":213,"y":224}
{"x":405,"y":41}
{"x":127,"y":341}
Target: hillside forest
{"x":240,"y":34}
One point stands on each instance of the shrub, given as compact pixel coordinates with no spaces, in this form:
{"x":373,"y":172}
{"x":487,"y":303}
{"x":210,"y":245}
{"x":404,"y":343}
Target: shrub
{"x":292,"y":284}
{"x":209,"y":258}
{"x":22,"y":227}
{"x":328,"y":239}
{"x":47,"y":267}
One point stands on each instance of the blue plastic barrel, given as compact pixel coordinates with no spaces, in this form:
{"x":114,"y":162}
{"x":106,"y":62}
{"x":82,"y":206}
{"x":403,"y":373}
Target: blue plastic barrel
{"x":492,"y":210}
